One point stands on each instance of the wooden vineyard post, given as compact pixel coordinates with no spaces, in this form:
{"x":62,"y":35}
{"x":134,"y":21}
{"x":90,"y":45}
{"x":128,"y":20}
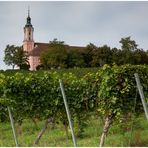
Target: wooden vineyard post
{"x":141,"y":95}
{"x":12,"y":125}
{"x":68,"y":113}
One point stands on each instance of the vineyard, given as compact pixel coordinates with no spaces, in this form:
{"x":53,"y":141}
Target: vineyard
{"x":109,"y":94}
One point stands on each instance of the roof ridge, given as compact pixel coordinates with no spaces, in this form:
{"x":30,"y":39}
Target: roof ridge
{"x":40,"y":43}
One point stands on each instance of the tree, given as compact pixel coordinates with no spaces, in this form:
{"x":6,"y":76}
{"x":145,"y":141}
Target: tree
{"x":56,"y":55}
{"x":56,"y":42}
{"x":21,"y":58}
{"x":116,"y":55}
{"x":101,"y":56}
{"x":15,"y":56}
{"x":9,"y":58}
{"x":128,"y":46}
{"x":74,"y":59}
{"x":88,"y":54}
{"x":140,"y":57}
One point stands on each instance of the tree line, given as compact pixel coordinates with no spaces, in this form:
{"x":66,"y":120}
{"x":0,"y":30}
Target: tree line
{"x":61,"y":55}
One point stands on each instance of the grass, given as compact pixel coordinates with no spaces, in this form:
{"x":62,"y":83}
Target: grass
{"x":56,"y":137}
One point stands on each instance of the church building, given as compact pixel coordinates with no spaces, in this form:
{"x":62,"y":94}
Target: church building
{"x":35,"y":49}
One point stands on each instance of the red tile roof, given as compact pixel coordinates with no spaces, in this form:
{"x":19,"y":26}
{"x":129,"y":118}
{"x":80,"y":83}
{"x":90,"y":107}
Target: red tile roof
{"x":39,"y":48}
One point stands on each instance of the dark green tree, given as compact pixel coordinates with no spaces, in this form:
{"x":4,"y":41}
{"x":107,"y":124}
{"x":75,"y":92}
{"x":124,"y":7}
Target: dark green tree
{"x":128,"y":46}
{"x":56,"y":55}
{"x":115,"y":55}
{"x":88,"y":54}
{"x":140,"y":57}
{"x":75,"y":59}
{"x":9,"y":58}
{"x":21,"y":58}
{"x":56,"y":42}
{"x":101,"y":56}
{"x":15,"y":56}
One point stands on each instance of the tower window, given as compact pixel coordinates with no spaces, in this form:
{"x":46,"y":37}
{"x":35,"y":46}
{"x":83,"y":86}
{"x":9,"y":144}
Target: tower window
{"x":29,"y":36}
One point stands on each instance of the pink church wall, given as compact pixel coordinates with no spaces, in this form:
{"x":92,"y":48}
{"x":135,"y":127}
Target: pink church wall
{"x":28,"y":46}
{"x":34,"y":62}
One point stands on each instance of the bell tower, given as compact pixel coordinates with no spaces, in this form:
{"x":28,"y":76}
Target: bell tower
{"x":28,"y":42}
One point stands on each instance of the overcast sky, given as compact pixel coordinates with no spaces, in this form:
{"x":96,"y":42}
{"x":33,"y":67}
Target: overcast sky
{"x":76,"y":23}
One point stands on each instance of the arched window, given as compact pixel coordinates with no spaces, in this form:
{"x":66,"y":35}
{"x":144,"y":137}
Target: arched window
{"x":29,"y":36}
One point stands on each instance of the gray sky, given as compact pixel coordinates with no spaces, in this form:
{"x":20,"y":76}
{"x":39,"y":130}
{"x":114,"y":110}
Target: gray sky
{"x":76,"y":23}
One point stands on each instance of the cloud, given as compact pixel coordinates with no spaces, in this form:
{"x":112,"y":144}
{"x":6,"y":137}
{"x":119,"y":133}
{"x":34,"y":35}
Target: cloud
{"x":77,"y":23}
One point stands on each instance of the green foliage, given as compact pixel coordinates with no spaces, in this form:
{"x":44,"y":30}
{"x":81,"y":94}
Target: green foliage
{"x":61,"y":55}
{"x":118,"y":89}
{"x":9,"y":55}
{"x":21,"y":58}
{"x":88,"y":54}
{"x":15,"y":56}
{"x":74,"y":59}
{"x":56,"y":56}
{"x":128,"y":44}
{"x":56,"y":42}
{"x":101,"y":56}
{"x":130,"y":53}
{"x":37,"y":95}
{"x":109,"y":91}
